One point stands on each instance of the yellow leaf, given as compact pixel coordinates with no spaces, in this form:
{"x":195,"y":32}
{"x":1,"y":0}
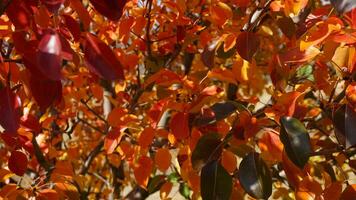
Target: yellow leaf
{"x":293,"y":7}
{"x":222,"y":75}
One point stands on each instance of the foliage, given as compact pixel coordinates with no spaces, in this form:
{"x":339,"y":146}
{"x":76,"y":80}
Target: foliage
{"x":211,"y":99}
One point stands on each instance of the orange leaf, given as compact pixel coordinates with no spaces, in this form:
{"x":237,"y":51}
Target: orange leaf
{"x":333,"y":191}
{"x":163,"y":159}
{"x":293,"y":7}
{"x":222,"y":75}
{"x":229,"y":42}
{"x":143,"y":170}
{"x":112,"y":140}
{"x":293,"y":173}
{"x":114,"y":118}
{"x":165,"y":190}
{"x":271,"y":146}
{"x":48,"y":194}
{"x":220,"y":13}
{"x":146,"y":137}
{"x":349,"y":193}
{"x":229,"y":161}
{"x":317,"y":35}
{"x":179,"y":125}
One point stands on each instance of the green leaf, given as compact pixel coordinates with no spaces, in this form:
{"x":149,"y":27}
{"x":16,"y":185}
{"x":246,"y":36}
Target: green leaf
{"x":296,"y":141}
{"x":215,"y":182}
{"x":184,"y":190}
{"x":255,"y":177}
{"x":305,"y":72}
{"x":155,"y":183}
{"x":208,"y":148}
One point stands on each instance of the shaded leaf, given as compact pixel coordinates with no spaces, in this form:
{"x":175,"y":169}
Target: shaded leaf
{"x":296,"y":141}
{"x":247,"y":44}
{"x":18,"y":162}
{"x":344,"y":122}
{"x":343,"y":6}
{"x":53,"y":5}
{"x":155,"y":183}
{"x":208,"y":148}
{"x":220,"y":111}
{"x":208,"y":56}
{"x":287,"y":26}
{"x":215,"y":182}
{"x":255,"y":176}
{"x":9,"y":110}
{"x":112,"y":9}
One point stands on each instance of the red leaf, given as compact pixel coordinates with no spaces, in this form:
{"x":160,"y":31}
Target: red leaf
{"x":9,"y":110}
{"x":180,"y":126}
{"x":18,"y":162}
{"x":31,"y":123}
{"x":49,"y":55}
{"x":247,"y":44}
{"x":100,"y":58}
{"x":46,"y":92}
{"x":52,"y":5}
{"x":19,"y":14}
{"x":73,"y":26}
{"x":112,"y":9}
{"x":111,"y":141}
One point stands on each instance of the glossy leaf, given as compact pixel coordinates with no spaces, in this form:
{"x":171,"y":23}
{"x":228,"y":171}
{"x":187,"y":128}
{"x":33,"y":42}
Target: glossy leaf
{"x":18,"y":162}
{"x":247,"y":45}
{"x":100,"y":59}
{"x":296,"y":141}
{"x":345,"y":127}
{"x":208,"y":148}
{"x":215,"y":182}
{"x":49,"y":60}
{"x":255,"y":176}
{"x":220,"y":111}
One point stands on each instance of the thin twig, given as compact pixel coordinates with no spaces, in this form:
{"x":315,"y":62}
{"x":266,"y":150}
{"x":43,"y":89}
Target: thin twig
{"x":91,"y":157}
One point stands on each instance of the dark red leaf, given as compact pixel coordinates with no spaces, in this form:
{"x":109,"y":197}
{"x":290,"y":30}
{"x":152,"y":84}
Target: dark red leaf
{"x":101,"y":59}
{"x":18,"y":162}
{"x":112,"y":9}
{"x":247,"y":44}
{"x":19,"y":14}
{"x":9,"y":110}
{"x":73,"y":26}
{"x":49,"y":55}
{"x":45,"y":92}
{"x":52,"y":5}
{"x":31,"y":123}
